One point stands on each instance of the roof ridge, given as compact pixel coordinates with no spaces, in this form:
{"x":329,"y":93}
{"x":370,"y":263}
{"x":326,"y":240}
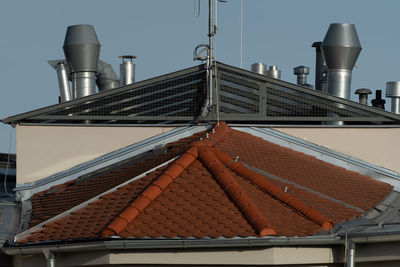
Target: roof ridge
{"x":220,"y":173}
{"x":151,"y":192}
{"x":273,"y":189}
{"x":235,"y":191}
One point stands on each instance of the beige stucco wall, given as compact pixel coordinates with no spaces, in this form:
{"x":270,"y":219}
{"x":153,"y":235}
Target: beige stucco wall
{"x":380,"y":146}
{"x":46,"y":150}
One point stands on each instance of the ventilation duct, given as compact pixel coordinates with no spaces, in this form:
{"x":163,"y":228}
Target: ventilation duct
{"x":340,"y":48}
{"x":393,"y":92}
{"x":82,"y":49}
{"x":106,"y":78}
{"x":301,"y":72}
{"x":259,"y":68}
{"x":127,"y":70}
{"x":63,"y":78}
{"x":378,"y":102}
{"x":320,"y":78}
{"x":363,"y":95}
{"x":273,"y":72}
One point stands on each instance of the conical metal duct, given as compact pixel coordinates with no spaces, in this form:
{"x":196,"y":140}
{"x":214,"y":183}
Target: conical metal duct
{"x":81,"y":48}
{"x":341,"y":48}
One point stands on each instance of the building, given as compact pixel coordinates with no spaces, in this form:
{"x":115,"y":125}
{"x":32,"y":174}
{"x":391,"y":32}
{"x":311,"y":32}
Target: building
{"x":206,"y":167}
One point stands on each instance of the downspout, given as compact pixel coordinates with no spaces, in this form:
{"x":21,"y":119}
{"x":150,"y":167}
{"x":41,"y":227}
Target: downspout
{"x":350,"y":253}
{"x":50,"y":258}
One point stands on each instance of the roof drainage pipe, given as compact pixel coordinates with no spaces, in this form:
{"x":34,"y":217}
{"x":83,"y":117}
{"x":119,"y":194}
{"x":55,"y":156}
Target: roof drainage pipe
{"x":82,"y":49}
{"x":106,"y":77}
{"x":340,"y":48}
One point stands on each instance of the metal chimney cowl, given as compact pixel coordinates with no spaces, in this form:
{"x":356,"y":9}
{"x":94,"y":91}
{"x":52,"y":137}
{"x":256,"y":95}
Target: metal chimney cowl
{"x":393,"y":92}
{"x":340,"y":48}
{"x":82,"y":50}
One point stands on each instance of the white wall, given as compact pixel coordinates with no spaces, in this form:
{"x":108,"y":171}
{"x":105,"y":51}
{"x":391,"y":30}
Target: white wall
{"x":380,"y":146}
{"x":46,"y":150}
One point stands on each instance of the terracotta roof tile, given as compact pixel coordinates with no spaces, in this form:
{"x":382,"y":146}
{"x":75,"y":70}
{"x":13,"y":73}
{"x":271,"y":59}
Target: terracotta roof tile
{"x":60,"y":198}
{"x":214,"y":196}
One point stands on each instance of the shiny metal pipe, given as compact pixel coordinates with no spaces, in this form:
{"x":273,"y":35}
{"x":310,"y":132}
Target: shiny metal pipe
{"x":339,"y":82}
{"x":127,"y":70}
{"x":63,"y":82}
{"x":259,"y":68}
{"x":273,"y":72}
{"x":393,"y":92}
{"x":83,"y":84}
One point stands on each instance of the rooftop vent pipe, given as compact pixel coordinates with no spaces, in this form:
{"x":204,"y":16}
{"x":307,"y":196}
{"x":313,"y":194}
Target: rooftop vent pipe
{"x":363,"y":95}
{"x":341,"y":48}
{"x":301,"y":72}
{"x":378,"y":102}
{"x":319,"y":66}
{"x":273,"y":72}
{"x":259,"y":68}
{"x":82,"y":49}
{"x":127,"y":70}
{"x":63,"y":78}
{"x":106,"y":77}
{"x":393,"y":92}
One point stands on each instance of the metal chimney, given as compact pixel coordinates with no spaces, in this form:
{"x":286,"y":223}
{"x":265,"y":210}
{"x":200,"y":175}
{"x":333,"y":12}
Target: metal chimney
{"x":363,"y":95}
{"x":82,"y":49}
{"x":319,"y":66}
{"x":301,"y":72}
{"x":378,"y":102}
{"x":127,"y":70}
{"x":340,"y":48}
{"x":273,"y":72}
{"x":63,"y":78}
{"x":393,"y":92}
{"x":259,"y":68}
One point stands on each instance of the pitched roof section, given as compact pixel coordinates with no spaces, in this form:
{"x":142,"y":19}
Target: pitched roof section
{"x":60,"y":198}
{"x":218,"y":188}
{"x":180,"y":97}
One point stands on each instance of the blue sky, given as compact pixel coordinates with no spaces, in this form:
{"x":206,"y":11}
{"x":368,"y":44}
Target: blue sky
{"x":163,"y":33}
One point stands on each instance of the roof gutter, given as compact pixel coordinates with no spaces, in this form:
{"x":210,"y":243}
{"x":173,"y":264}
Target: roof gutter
{"x":177,"y":244}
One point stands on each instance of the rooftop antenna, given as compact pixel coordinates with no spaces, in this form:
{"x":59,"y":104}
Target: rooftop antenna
{"x":211,"y":58}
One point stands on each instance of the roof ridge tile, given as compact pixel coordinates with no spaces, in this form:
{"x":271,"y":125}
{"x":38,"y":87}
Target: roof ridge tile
{"x":150,"y":193}
{"x":273,"y":189}
{"x":235,"y":192}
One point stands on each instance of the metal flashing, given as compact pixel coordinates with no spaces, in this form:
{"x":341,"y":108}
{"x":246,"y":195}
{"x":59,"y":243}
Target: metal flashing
{"x":325,"y":154}
{"x":26,"y":190}
{"x":177,"y":243}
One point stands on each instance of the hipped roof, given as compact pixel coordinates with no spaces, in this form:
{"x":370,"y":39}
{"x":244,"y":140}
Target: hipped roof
{"x":223,"y":183}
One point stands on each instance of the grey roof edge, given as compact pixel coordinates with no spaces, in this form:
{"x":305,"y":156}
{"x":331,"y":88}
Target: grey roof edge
{"x":177,"y":243}
{"x":16,"y":118}
{"x":85,"y":203}
{"x":26,"y":190}
{"x":265,"y":78}
{"x":325,"y":154}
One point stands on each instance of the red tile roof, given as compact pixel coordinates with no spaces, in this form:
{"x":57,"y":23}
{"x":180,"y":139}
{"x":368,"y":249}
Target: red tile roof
{"x":206,"y":193}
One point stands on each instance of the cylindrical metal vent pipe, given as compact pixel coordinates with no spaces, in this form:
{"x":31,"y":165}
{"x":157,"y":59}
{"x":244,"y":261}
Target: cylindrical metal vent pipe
{"x":82,"y":49}
{"x":63,"y":82}
{"x":319,"y":66}
{"x":393,"y":92}
{"x":341,"y":48}
{"x":259,"y":68}
{"x":301,"y":72}
{"x":273,"y":72}
{"x":363,"y":95}
{"x":127,"y":70}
